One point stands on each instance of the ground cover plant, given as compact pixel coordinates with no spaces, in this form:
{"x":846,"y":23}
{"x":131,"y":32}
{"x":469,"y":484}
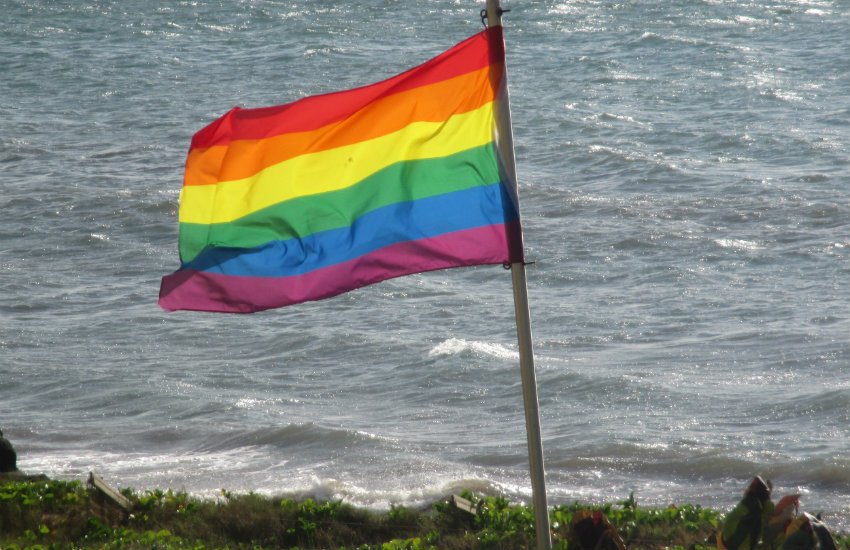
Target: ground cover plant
{"x":43,"y":514}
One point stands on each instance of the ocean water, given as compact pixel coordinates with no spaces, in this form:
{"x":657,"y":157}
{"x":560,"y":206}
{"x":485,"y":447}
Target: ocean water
{"x":684,"y":178}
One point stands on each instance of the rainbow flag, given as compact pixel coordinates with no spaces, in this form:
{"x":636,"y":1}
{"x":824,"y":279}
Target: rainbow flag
{"x":308,"y":200}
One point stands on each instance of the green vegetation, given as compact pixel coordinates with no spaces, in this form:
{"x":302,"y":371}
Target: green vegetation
{"x":43,"y":514}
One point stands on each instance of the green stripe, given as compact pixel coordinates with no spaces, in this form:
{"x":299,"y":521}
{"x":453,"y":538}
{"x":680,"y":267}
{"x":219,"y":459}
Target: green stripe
{"x":302,"y":216}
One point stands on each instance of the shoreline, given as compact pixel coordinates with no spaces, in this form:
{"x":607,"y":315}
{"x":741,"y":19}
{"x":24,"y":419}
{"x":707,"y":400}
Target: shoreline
{"x":42,"y":511}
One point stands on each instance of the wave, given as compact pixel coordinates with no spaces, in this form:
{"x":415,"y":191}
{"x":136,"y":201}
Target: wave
{"x":739,"y":244}
{"x":457,"y":346}
{"x":832,"y":405}
{"x":683,"y":462}
{"x":303,"y":436}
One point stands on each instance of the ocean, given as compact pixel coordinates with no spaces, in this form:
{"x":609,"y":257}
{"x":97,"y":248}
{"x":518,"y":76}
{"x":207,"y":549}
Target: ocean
{"x":684,"y":180}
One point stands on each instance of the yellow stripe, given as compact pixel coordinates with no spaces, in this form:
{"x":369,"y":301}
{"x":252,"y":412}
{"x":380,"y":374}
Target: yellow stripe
{"x":334,"y":169}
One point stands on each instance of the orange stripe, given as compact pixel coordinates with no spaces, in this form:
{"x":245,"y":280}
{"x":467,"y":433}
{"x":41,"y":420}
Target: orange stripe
{"x":430,"y":103}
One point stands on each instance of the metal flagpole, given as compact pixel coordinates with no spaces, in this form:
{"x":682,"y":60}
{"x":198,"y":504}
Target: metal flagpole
{"x":523,"y":324}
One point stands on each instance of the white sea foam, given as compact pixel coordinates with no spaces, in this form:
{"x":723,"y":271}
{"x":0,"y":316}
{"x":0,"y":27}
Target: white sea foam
{"x":455,"y":346}
{"x":740,"y":244}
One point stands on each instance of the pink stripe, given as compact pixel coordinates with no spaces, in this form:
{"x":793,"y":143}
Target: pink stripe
{"x":203,"y":291}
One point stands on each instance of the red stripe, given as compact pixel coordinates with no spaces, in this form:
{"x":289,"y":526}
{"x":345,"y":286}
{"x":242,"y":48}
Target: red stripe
{"x":310,"y":113}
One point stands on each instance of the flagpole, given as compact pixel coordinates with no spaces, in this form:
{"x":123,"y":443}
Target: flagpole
{"x":523,"y":324}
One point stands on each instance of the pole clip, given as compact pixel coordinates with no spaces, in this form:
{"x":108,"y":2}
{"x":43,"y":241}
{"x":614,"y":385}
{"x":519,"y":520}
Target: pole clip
{"x":483,"y":15}
{"x":507,"y":265}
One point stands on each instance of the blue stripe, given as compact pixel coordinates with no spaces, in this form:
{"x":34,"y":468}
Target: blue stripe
{"x":406,"y":221}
